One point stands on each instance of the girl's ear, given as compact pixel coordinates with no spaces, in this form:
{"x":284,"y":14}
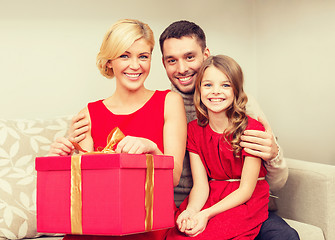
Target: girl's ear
{"x":109,"y":64}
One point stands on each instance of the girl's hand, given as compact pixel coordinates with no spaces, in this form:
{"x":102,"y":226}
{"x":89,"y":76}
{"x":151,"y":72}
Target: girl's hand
{"x":137,"y":145}
{"x":200,"y":221}
{"x":185,"y":220}
{"x":260,"y":144}
{"x":61,"y":147}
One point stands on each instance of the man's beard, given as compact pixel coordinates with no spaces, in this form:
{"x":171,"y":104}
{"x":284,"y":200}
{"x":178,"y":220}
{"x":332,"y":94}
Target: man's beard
{"x":191,"y":92}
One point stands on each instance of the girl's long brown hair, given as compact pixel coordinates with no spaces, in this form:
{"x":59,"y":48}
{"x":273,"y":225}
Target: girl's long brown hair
{"x":236,"y":113}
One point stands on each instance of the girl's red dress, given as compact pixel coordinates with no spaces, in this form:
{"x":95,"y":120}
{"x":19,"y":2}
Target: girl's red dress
{"x":243,"y":221}
{"x":146,"y":122}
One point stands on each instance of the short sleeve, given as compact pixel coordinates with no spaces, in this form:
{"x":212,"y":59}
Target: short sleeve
{"x":252,"y":125}
{"x":191,"y":137}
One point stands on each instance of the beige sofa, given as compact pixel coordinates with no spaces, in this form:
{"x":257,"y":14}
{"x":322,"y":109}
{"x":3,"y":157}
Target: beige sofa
{"x":308,"y":198}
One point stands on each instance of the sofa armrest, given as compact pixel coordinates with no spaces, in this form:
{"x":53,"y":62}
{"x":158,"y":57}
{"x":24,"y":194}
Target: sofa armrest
{"x":309,"y":195}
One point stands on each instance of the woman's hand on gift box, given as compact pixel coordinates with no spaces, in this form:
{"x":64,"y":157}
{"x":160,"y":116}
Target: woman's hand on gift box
{"x":61,"y":147}
{"x":137,"y":145}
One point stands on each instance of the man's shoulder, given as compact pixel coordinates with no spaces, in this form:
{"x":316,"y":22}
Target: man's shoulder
{"x":253,"y":108}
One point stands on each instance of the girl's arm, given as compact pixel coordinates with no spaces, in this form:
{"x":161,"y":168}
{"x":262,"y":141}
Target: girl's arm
{"x":247,"y":186}
{"x":198,"y":195}
{"x":175,"y":132}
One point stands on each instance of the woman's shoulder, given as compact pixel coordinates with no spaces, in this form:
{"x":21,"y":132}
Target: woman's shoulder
{"x":172,"y":97}
{"x":162,"y":93}
{"x":253,"y":124}
{"x":95,"y":103}
{"x":91,"y":105}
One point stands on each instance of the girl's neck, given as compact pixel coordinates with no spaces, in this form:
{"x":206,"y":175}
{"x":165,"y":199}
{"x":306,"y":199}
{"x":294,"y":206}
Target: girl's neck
{"x":218,"y":122}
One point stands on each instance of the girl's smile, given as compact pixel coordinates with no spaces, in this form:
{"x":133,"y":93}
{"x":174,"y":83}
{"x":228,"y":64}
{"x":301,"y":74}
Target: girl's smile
{"x":216,"y":99}
{"x":216,"y":91}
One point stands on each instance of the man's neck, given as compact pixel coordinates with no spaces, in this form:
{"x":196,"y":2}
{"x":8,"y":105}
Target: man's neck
{"x":184,"y":95}
{"x":188,"y":102}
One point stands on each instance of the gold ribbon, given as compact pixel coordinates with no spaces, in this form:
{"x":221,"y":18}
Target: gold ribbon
{"x":76,"y":197}
{"x":149,"y":192}
{"x":113,"y":138}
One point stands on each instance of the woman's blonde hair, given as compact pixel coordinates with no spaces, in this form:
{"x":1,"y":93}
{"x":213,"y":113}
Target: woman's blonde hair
{"x":236,"y":113}
{"x":118,"y":39}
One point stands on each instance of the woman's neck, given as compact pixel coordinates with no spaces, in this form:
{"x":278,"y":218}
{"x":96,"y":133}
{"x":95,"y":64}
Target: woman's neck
{"x":126,"y":102}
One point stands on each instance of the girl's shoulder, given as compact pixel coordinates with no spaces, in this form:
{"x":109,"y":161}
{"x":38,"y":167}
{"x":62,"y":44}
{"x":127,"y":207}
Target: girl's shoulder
{"x":193,"y":123}
{"x":253,"y":124}
{"x":193,"y":126}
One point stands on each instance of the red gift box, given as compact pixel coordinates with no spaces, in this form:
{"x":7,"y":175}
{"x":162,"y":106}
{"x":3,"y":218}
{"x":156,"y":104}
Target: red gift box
{"x":113,"y":194}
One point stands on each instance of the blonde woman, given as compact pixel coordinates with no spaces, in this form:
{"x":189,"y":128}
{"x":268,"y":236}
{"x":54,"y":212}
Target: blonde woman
{"x":153,"y":121}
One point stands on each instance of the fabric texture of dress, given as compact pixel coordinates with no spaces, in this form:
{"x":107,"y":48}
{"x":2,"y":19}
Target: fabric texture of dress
{"x":277,"y":170}
{"x":243,"y":221}
{"x":146,"y":122}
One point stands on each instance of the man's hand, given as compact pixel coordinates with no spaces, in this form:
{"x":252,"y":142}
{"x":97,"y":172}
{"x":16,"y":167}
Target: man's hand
{"x":79,"y":127}
{"x":260,"y":144}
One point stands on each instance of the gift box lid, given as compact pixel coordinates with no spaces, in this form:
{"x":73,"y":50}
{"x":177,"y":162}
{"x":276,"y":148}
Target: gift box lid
{"x":102,"y":161}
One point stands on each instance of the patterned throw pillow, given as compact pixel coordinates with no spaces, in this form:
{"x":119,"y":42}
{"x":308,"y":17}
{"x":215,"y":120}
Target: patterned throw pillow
{"x":20,"y":142}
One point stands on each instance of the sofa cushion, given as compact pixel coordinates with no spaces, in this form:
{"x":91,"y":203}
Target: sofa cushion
{"x":306,"y":231}
{"x":20,"y":142}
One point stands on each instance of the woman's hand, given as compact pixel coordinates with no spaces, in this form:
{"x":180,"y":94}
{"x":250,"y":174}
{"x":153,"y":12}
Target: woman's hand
{"x":61,"y":147}
{"x":137,"y":145}
{"x":260,"y":144}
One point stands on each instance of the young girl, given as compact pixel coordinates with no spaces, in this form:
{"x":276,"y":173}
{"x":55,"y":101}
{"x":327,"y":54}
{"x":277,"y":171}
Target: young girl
{"x":153,"y":121}
{"x":229,"y":198}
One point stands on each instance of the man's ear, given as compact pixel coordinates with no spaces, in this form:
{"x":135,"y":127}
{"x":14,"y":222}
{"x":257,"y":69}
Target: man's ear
{"x":207,"y":53}
{"x":163,"y":61}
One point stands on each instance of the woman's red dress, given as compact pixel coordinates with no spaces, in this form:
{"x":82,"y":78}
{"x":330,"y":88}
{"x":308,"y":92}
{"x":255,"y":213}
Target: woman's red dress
{"x":146,"y":122}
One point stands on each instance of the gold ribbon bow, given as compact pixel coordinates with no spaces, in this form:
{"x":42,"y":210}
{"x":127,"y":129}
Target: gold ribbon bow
{"x":113,"y":138}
